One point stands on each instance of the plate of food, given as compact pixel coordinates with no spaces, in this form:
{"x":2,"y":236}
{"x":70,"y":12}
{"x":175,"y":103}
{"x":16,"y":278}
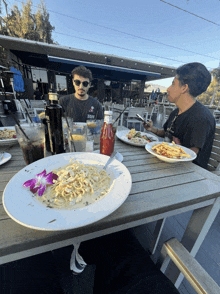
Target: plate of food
{"x":4,"y":157}
{"x":136,"y":138}
{"x":7,"y":136}
{"x":170,"y":152}
{"x":68,"y":192}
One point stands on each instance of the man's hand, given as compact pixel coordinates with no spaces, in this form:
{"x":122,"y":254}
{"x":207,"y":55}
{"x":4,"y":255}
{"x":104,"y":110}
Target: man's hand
{"x":195,"y":149}
{"x":148,"y":126}
{"x":176,"y":140}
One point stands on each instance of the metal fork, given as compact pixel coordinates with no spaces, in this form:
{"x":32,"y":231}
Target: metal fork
{"x":110,"y":159}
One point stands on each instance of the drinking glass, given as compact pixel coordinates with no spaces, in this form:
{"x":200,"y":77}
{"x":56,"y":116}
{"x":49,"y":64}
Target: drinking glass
{"x":66,"y":131}
{"x":31,"y":141}
{"x":79,"y":137}
{"x":94,"y":128}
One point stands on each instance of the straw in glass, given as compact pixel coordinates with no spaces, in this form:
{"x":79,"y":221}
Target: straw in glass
{"x":17,"y":122}
{"x":70,"y":134}
{"x":119,"y":115}
{"x":28,"y":114}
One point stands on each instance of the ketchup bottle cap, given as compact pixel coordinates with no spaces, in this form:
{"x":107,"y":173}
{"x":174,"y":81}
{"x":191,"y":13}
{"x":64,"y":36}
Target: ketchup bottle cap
{"x":107,"y":112}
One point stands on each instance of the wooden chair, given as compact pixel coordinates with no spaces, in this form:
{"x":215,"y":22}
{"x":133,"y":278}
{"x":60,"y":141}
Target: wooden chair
{"x":123,"y":266}
{"x":127,"y":102}
{"x":166,"y":112}
{"x":25,"y":107}
{"x":149,"y":111}
{"x":37,"y":111}
{"x":132,"y":119}
{"x":198,"y":278}
{"x":38,"y":103}
{"x":214,"y":160}
{"x":21,"y":107}
{"x":216,"y":114}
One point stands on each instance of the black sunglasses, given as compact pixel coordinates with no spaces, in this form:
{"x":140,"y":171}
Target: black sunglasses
{"x":78,"y":82}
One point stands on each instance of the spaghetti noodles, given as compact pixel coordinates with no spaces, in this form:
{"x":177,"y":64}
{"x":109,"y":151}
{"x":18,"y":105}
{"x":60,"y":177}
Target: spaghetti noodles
{"x":78,"y":185}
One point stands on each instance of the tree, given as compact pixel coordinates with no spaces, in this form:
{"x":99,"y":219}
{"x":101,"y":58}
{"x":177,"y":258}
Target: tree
{"x":27,"y":24}
{"x":212,"y":94}
{"x":216,"y":75}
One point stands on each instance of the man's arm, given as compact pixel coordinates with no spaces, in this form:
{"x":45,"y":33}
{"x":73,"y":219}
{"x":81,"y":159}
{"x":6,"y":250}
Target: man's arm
{"x":195,"y":149}
{"x":155,"y":130}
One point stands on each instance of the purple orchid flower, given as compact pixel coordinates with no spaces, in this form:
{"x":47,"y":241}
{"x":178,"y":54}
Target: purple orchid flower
{"x":39,"y":182}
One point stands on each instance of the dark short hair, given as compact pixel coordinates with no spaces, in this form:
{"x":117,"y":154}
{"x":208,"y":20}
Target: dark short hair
{"x":196,"y":76}
{"x":83,"y":72}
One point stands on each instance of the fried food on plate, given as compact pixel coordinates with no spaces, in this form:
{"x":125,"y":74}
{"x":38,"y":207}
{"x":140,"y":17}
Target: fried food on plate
{"x":170,"y":151}
{"x":7,"y":134}
{"x":131,"y":133}
{"x":138,"y":138}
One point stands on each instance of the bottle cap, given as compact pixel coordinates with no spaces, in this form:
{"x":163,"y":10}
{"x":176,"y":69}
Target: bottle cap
{"x":52,"y":92}
{"x":53,"y":96}
{"x":107,"y":112}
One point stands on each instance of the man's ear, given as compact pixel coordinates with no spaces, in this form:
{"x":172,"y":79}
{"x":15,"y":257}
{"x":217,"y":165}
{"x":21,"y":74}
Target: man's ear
{"x":185,"y":89}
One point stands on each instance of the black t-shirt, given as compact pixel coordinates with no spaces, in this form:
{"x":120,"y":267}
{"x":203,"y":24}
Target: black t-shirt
{"x":38,"y":95}
{"x":81,"y":110}
{"x":194,"y":128}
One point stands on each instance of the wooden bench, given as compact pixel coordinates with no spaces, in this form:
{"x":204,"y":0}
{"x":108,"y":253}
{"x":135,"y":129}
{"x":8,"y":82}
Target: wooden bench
{"x":214,"y":161}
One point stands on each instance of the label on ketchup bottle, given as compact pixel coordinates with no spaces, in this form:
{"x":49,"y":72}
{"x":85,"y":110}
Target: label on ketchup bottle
{"x":107,"y":138}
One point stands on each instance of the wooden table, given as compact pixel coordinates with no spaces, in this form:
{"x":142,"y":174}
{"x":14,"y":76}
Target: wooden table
{"x":159,"y":190}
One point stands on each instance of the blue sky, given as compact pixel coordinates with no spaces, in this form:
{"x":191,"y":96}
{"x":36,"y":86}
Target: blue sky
{"x":146,"y":30}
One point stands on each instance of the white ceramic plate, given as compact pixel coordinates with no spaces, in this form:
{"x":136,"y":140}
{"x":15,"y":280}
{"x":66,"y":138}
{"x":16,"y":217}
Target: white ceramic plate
{"x":7,"y":157}
{"x":23,"y":207}
{"x":122,"y":136}
{"x":149,"y":146}
{"x":8,"y":141}
{"x":120,"y":156}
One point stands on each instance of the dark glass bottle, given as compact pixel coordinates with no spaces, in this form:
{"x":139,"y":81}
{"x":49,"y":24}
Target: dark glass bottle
{"x":53,"y":115}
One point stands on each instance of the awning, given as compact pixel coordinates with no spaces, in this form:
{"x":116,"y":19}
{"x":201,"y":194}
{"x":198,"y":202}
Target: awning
{"x":105,"y":67}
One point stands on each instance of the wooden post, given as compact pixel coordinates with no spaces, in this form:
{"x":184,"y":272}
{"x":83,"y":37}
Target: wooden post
{"x":51,"y":78}
{"x":101,"y":90}
{"x":120,"y":91}
{"x":141,"y":90}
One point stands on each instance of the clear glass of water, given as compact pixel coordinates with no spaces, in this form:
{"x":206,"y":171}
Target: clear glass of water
{"x":94,"y":128}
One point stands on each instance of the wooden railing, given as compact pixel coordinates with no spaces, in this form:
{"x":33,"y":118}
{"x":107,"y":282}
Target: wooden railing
{"x":214,"y":161}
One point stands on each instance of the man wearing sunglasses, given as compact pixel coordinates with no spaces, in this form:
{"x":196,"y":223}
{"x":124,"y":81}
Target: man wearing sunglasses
{"x":80,"y":106}
{"x":191,"y":124}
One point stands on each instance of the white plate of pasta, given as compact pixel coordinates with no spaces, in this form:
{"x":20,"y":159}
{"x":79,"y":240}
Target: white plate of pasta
{"x":170,"y":152}
{"x":24,"y":207}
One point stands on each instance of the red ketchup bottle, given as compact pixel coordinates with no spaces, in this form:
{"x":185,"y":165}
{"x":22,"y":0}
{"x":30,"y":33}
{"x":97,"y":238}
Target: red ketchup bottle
{"x":107,"y":138}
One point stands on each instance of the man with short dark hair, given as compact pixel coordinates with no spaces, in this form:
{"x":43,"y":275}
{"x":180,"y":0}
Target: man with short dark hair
{"x":191,"y":124}
{"x":80,"y":106}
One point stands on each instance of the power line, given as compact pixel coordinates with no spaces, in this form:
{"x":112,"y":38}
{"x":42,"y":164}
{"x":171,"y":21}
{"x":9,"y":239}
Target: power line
{"x":191,"y":13}
{"x":136,"y":51}
{"x":128,"y":34}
